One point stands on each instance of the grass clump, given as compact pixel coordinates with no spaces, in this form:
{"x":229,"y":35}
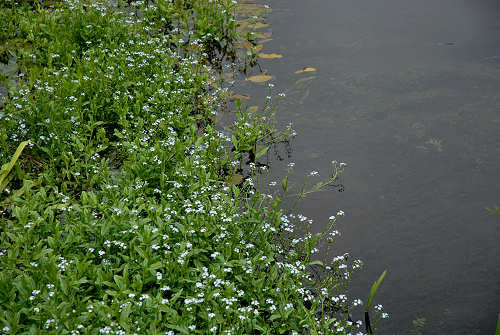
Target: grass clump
{"x":117,"y":218}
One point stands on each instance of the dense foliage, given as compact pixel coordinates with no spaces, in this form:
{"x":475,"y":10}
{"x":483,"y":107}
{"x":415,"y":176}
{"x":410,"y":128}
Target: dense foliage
{"x":119,"y":217}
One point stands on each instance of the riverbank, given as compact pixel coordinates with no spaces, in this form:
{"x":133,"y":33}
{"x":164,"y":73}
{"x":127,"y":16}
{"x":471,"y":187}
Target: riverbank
{"x":125,"y":212}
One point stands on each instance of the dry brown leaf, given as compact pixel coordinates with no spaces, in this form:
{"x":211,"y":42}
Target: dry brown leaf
{"x":258,"y":47}
{"x":242,"y":97}
{"x":270,"y":56}
{"x":306,"y":69}
{"x":261,"y":78}
{"x":265,"y":41}
{"x":263,"y":35}
{"x":235,"y":179}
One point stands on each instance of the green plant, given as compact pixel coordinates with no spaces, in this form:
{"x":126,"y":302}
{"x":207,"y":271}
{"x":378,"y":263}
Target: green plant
{"x":5,"y":175}
{"x":418,"y":325}
{"x":373,"y":290}
{"x":497,"y":331}
{"x":126,"y":221}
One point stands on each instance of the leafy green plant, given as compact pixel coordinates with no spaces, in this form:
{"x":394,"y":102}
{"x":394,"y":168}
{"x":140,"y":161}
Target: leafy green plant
{"x":133,"y":220}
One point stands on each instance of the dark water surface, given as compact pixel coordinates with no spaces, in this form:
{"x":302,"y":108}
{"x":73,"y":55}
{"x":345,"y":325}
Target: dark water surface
{"x":408,"y":94}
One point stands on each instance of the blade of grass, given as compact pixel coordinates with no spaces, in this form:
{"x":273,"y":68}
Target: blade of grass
{"x":6,"y":168}
{"x":373,"y":290}
{"x":369,"y":302}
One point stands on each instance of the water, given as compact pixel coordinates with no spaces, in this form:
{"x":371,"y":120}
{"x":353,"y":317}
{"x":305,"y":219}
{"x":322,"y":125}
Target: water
{"x":408,"y":94}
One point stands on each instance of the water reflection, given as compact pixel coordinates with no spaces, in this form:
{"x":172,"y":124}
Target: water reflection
{"x":406,"y":92}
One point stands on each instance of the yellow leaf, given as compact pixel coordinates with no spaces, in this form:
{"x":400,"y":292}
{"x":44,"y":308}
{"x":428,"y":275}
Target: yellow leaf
{"x":239,"y":96}
{"x":261,"y":78}
{"x":265,"y":41}
{"x":263,"y":55}
{"x":263,"y":35}
{"x":258,"y":47}
{"x":306,"y":69}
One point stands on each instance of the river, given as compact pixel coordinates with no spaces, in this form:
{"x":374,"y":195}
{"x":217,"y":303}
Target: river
{"x":407,"y":93}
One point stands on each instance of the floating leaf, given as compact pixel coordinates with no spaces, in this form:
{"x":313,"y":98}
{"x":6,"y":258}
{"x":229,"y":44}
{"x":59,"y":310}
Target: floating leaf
{"x":243,"y":45}
{"x":258,"y":47}
{"x":261,"y":78}
{"x":263,"y":35}
{"x":306,"y":69}
{"x":270,"y":56}
{"x":265,"y":41}
{"x":239,"y":96}
{"x":234,"y":180}
{"x":249,"y":46}
{"x":258,"y":25}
